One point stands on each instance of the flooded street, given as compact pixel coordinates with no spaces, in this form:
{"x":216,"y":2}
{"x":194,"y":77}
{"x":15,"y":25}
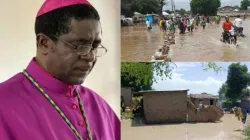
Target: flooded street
{"x":137,"y":44}
{"x":228,"y":129}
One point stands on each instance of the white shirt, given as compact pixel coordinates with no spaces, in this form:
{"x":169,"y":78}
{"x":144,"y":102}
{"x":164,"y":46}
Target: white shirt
{"x":238,"y":22}
{"x":168,"y":24}
{"x":148,"y":23}
{"x":191,"y":22}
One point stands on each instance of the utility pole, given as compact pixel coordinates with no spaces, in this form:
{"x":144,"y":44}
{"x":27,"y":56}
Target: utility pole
{"x":172,"y":5}
{"x":190,"y":6}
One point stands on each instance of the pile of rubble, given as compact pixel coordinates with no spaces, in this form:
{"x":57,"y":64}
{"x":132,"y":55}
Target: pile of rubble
{"x":208,"y":113}
{"x":163,"y":54}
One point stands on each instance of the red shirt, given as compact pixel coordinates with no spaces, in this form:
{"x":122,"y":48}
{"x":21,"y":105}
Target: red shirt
{"x":227,"y":25}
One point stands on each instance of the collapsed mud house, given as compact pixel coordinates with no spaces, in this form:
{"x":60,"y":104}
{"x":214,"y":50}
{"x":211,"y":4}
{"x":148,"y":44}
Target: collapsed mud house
{"x":204,"y":98}
{"x":175,"y":107}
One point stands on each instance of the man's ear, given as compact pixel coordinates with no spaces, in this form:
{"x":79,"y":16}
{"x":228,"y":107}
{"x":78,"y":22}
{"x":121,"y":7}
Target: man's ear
{"x":43,"y":43}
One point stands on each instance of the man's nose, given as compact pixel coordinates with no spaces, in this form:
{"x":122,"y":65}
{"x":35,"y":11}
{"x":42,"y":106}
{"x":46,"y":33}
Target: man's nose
{"x":90,"y":57}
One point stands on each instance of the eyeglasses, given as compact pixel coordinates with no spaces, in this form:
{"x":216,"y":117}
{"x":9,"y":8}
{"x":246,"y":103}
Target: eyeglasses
{"x":85,"y":49}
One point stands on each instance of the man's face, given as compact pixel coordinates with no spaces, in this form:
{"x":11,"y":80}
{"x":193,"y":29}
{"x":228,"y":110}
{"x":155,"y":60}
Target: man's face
{"x":64,"y":62}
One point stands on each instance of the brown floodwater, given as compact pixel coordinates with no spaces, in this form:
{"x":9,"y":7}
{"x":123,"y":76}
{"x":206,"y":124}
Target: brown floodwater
{"x":139,"y":45}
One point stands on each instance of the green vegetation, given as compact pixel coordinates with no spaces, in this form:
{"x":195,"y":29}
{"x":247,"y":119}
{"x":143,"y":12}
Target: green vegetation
{"x":126,"y":115}
{"x":236,"y":86}
{"x":128,"y":7}
{"x":244,"y":4}
{"x":140,"y":75}
{"x":247,"y":133}
{"x":182,"y":11}
{"x":202,"y":7}
{"x":236,"y":6}
{"x":205,"y":7}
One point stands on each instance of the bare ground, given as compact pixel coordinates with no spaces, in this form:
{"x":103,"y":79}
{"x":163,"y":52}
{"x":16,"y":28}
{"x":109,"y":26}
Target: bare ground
{"x":227,"y":129}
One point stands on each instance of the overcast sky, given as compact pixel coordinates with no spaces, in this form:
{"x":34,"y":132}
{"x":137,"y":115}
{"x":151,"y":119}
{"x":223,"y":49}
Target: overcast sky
{"x":185,"y":3}
{"x":192,"y":76}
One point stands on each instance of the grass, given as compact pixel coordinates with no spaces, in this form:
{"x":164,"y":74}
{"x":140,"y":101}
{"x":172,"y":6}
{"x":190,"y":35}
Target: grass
{"x":247,"y":133}
{"x":126,"y":115}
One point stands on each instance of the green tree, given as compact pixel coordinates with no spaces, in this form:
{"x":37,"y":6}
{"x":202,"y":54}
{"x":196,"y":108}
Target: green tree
{"x":168,"y":11}
{"x":213,"y":66}
{"x":205,"y":7}
{"x":236,"y":6}
{"x":140,"y":75}
{"x":128,"y":7}
{"x":222,"y":92}
{"x":162,"y":3}
{"x":222,"y":95}
{"x":188,"y":12}
{"x":244,"y":4}
{"x":246,"y":92}
{"x":181,"y":11}
{"x":237,"y":82}
{"x":146,"y":6}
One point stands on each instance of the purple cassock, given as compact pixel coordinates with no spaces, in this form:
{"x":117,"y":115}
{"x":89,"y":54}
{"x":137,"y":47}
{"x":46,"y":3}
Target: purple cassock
{"x":25,"y":113}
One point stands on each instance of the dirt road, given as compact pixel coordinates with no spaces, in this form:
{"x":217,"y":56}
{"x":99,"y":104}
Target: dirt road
{"x":227,"y":129}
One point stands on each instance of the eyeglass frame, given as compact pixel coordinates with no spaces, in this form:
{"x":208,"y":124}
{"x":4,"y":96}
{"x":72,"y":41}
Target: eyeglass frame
{"x":77,"y":52}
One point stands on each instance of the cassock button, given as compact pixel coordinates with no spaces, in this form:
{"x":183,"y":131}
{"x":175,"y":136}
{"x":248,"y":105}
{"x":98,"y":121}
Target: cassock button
{"x":74,"y":107}
{"x":81,"y":123}
{"x":68,"y":94}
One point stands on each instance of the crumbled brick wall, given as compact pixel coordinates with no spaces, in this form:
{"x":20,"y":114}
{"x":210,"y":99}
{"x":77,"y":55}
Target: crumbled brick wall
{"x":209,"y":114}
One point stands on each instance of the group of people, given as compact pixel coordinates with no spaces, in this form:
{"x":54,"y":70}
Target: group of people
{"x":167,"y":25}
{"x":184,"y":23}
{"x":190,"y":23}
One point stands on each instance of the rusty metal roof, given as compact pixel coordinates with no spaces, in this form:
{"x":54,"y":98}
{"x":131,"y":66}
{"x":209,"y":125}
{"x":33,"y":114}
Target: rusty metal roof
{"x":203,"y":96}
{"x":154,"y":91}
{"x":226,"y":7}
